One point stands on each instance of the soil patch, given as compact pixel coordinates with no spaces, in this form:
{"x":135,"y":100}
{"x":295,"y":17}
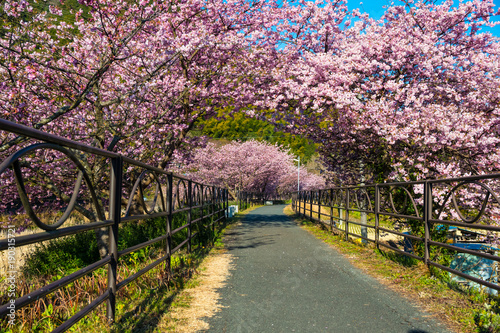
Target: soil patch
{"x":203,"y":298}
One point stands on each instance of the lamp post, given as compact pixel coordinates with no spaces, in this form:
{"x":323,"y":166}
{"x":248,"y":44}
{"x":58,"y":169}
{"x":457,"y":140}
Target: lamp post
{"x":298,"y":172}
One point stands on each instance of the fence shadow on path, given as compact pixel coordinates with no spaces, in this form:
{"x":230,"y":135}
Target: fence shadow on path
{"x":257,"y":230}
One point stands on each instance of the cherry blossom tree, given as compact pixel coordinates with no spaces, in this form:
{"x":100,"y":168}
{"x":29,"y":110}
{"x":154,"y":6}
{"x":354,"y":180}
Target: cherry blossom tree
{"x":411,"y":96}
{"x":132,"y":77}
{"x":251,"y":166}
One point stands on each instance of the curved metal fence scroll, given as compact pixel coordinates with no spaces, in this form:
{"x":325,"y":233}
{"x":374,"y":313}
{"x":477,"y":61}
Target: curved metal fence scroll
{"x":421,"y":220}
{"x":154,"y":193}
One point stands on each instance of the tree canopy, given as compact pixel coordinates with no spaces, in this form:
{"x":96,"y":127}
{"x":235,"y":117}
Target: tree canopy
{"x":251,"y":166}
{"x":241,"y":127}
{"x":413,"y":95}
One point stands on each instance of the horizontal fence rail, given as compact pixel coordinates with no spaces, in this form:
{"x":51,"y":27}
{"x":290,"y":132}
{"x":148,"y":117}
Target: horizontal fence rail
{"x":248,"y":199}
{"x":449,"y":224}
{"x":134,"y":192}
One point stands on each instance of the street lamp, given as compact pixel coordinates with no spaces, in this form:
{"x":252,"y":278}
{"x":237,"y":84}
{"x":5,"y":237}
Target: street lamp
{"x":298,"y":173}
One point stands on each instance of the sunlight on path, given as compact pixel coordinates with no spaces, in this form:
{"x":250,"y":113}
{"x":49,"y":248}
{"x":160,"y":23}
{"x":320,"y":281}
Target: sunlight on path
{"x":204,"y":299}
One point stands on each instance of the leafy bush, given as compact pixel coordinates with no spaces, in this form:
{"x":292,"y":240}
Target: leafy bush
{"x":64,"y":254}
{"x":77,"y":251}
{"x":488,"y":318}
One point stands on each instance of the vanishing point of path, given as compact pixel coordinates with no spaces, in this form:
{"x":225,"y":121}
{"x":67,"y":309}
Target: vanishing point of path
{"x":286,"y":280}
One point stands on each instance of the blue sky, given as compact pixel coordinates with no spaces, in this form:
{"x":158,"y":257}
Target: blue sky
{"x":375,"y":9}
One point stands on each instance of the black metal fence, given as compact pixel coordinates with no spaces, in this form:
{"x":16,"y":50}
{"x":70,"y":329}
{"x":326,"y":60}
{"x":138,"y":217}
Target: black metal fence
{"x":249,"y":199}
{"x":154,"y":192}
{"x":450,"y":224}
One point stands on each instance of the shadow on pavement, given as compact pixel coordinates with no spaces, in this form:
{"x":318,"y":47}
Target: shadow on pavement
{"x":257,"y":230}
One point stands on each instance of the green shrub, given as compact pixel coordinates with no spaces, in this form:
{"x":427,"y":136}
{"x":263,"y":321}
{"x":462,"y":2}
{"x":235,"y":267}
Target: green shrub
{"x":488,"y":319}
{"x":62,"y":255}
{"x":77,"y":251}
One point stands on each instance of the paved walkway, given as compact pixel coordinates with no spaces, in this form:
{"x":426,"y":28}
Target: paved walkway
{"x":286,"y":280}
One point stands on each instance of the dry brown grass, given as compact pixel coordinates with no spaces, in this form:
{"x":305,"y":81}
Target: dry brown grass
{"x":196,"y":304}
{"x":353,"y":228}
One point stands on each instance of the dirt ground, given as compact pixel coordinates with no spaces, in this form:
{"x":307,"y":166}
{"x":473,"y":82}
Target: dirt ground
{"x":203,"y":297}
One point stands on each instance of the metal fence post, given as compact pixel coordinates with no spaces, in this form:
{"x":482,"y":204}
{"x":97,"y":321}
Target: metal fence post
{"x":304,"y":201}
{"x":331,"y":210}
{"x":427,"y":216}
{"x":114,"y":214}
{"x":189,"y":212}
{"x":223,"y":204}
{"x":170,"y":208}
{"x":239,"y":198}
{"x":303,"y":204}
{"x":225,"y":207}
{"x":377,"y":215}
{"x":297,"y":205}
{"x":319,"y":205}
{"x":311,"y":205}
{"x":347,"y":214}
{"x":226,"y":193}
{"x":213,"y":211}
{"x":218,"y":203}
{"x":202,"y":209}
{"x":364,"y":217}
{"x":339,"y":210}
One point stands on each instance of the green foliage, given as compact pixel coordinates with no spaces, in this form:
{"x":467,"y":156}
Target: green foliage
{"x":239,"y":126}
{"x":438,"y":233}
{"x":488,"y":318}
{"x":135,"y":233}
{"x":66,"y":254}
{"x":67,"y":6}
{"x":79,"y":250}
{"x":69,"y":9}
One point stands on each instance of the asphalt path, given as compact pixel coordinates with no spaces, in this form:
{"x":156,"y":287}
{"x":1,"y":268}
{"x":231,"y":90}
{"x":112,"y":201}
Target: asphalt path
{"x":286,"y":280}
